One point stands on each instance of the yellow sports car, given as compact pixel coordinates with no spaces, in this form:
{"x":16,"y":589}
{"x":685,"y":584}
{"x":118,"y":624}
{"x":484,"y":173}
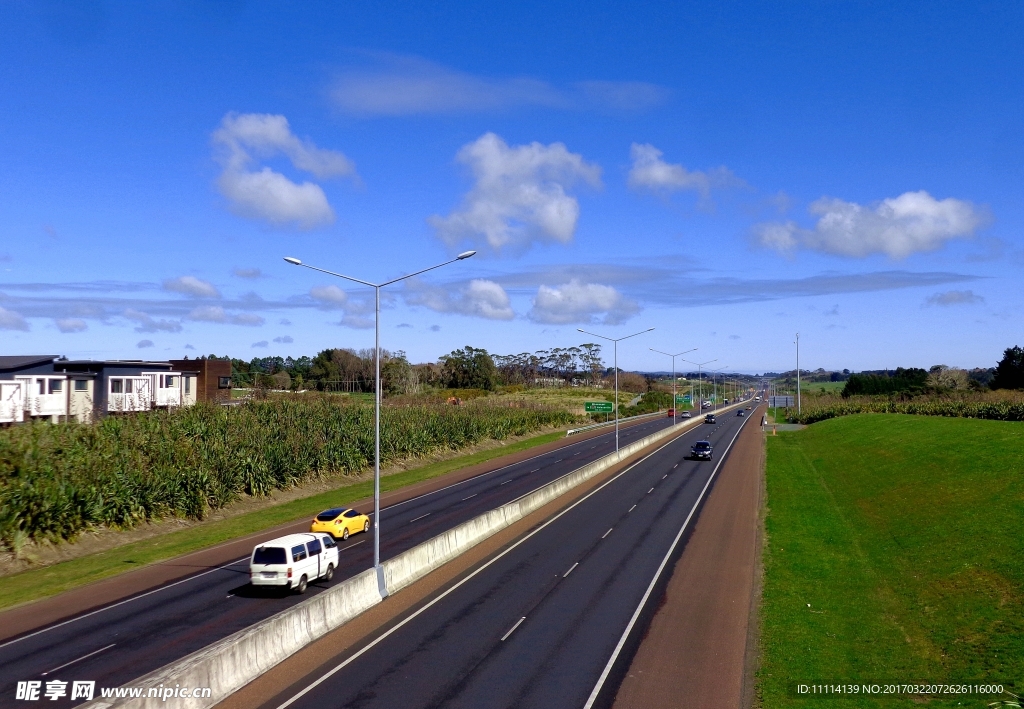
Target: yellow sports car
{"x":340,"y":522}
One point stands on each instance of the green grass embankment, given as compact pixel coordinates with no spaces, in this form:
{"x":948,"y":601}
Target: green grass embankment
{"x":895,"y":552}
{"x":57,"y":578}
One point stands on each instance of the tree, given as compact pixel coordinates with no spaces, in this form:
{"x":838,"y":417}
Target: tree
{"x":1010,"y":370}
{"x":468,"y":368}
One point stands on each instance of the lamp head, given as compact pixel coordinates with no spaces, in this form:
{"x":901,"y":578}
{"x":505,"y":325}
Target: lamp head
{"x":292,"y":260}
{"x":465,"y":255}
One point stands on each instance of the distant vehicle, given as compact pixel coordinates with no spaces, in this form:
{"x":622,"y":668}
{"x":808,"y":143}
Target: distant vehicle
{"x":725,"y":401}
{"x":740,"y":412}
{"x":701,"y":450}
{"x":340,"y":522}
{"x":671,"y":413}
{"x":293,"y":561}
{"x":706,"y":404}
{"x":685,"y":415}
{"x":749,"y":407}
{"x":710,"y":418}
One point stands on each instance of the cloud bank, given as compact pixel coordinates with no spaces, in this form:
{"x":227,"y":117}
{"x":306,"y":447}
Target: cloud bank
{"x":649,"y":172}
{"x":404,"y":86}
{"x":266,"y":194}
{"x":478,"y":298}
{"x":897,"y":227}
{"x":190,"y":285}
{"x":579,"y":302}
{"x":954,"y":297}
{"x":519,"y":195}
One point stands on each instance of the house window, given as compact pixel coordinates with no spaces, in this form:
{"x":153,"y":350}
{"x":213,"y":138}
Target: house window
{"x":128,"y":386}
{"x":42,"y":386}
{"x":116,"y":386}
{"x":223,"y":382}
{"x":81,"y":385}
{"x":169,"y":382}
{"x":55,"y":386}
{"x":188,"y":385}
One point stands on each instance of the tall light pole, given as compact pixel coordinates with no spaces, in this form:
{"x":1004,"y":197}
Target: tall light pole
{"x":700,"y":381}
{"x":376,"y":399}
{"x":673,"y":356}
{"x":616,"y":361}
{"x":714,"y":383}
{"x":798,"y":374}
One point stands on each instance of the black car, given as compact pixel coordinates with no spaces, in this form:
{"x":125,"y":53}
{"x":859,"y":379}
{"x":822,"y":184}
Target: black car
{"x":710,"y":418}
{"x":740,"y":413}
{"x":701,"y":450}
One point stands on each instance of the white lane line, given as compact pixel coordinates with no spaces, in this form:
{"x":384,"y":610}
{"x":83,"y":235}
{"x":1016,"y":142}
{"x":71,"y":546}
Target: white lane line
{"x":657,"y":574}
{"x":664,"y":476}
{"x":570,"y":569}
{"x":121,"y":603}
{"x":650,"y":491}
{"x":94,"y":652}
{"x":513,"y":628}
{"x":607,"y":533}
{"x":675,"y":466}
{"x":505,"y":483}
{"x":420,"y":517}
{"x":536,"y":469}
{"x":631,"y":509}
{"x":470,"y":497}
{"x":352,"y":545}
{"x":394,"y":629}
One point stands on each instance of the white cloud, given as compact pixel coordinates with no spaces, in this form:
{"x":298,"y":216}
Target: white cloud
{"x":579,"y":302}
{"x":261,"y":343}
{"x":897,"y":227}
{"x":10,"y":320}
{"x":329,"y":296}
{"x":266,"y":194}
{"x":148,"y":324}
{"x":248,"y":273}
{"x":405,"y":86}
{"x":190,"y":285}
{"x":652,"y":173}
{"x":478,"y":298}
{"x":217,"y":314}
{"x":519,"y":195}
{"x":954,"y":297}
{"x":284,"y":340}
{"x":355,"y":310}
{"x":143,"y":344}
{"x":71,"y":325}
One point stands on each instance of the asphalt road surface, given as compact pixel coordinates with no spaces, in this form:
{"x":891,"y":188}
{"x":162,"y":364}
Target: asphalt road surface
{"x":122,"y":641}
{"x":551,"y":621}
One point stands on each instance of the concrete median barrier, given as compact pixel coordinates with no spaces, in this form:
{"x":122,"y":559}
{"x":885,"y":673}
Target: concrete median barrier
{"x":230,"y":663}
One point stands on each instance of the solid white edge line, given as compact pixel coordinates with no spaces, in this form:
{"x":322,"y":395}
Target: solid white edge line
{"x":121,"y":603}
{"x":355,"y":656}
{"x":94,"y":652}
{"x":657,"y":574}
{"x":513,"y":628}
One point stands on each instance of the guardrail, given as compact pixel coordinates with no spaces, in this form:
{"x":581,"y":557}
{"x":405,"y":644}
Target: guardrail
{"x":232,"y":662}
{"x":574,"y":431}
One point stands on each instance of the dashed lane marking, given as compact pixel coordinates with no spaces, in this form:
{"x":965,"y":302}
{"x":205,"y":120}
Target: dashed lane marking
{"x":94,"y":652}
{"x":570,"y":569}
{"x":513,"y":628}
{"x":470,"y":497}
{"x":420,"y":517}
{"x":609,"y":530}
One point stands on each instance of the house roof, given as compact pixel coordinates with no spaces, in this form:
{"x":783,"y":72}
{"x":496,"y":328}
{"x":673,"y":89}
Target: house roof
{"x":21,"y":361}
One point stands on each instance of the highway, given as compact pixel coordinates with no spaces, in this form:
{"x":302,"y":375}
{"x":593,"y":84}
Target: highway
{"x":126,"y":639}
{"x":550,"y":621}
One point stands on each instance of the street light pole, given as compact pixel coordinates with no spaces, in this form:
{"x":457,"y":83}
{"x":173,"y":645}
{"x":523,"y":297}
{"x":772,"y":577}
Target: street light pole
{"x":700,"y":381}
{"x":382,"y":587}
{"x":714,"y":383}
{"x":673,"y":356}
{"x":798,"y":374}
{"x":615,"y":350}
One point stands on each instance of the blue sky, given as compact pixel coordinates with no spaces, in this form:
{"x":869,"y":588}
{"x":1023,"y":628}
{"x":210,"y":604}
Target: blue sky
{"x":730,"y":176}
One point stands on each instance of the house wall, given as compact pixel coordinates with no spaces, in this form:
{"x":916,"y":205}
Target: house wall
{"x":81,"y":402}
{"x":209,"y":372}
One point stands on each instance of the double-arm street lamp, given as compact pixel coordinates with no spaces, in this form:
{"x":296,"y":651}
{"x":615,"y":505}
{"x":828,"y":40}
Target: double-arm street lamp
{"x":376,"y":403}
{"x":714,"y":382}
{"x":673,"y":356}
{"x":616,"y":360}
{"x":700,"y":381}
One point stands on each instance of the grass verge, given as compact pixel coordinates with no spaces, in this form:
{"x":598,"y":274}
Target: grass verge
{"x":57,"y":578}
{"x":894,"y":553}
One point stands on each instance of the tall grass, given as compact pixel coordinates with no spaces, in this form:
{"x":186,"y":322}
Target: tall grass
{"x":1000,"y":406}
{"x":56,"y":481}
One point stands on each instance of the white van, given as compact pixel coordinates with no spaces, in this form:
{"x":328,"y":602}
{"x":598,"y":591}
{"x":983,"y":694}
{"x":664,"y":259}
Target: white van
{"x":294,"y":561}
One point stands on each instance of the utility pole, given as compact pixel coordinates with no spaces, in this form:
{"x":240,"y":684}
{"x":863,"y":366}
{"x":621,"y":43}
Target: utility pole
{"x":798,"y":374}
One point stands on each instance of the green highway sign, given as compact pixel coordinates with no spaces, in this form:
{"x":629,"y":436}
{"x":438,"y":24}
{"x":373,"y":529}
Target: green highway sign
{"x":682,"y":398}
{"x":598,"y":407}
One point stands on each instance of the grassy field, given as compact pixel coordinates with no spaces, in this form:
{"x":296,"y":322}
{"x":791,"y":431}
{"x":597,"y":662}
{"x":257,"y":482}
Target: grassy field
{"x":895,"y":552}
{"x":51,"y":580}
